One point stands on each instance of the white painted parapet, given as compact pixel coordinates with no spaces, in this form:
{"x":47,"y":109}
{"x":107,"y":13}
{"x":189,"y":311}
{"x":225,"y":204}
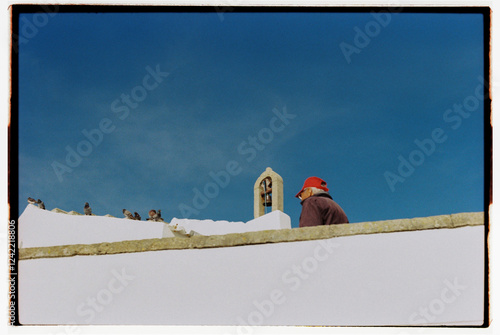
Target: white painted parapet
{"x":422,"y":277}
{"x":43,"y":228}
{"x":274,"y":220}
{"x":420,"y":271}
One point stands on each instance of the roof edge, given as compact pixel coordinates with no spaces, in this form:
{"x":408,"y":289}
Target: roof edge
{"x":259,"y":237}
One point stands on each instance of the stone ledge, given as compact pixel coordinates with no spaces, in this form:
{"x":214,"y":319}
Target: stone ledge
{"x":258,"y":237}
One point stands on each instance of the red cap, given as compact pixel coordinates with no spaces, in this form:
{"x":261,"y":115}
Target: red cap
{"x":313,"y":182}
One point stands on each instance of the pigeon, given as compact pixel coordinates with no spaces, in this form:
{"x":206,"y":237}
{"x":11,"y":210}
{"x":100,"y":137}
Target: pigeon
{"x":40,"y":203}
{"x":152,"y":215}
{"x":158,"y":216}
{"x":86,"y":209}
{"x":128,"y":215}
{"x":31,"y":201}
{"x":155,"y":216}
{"x":137,"y":216}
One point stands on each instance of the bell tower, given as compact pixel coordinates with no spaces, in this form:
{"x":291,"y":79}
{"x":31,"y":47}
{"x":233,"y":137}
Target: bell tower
{"x":267,"y":192}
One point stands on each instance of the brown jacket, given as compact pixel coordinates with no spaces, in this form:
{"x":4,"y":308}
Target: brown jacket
{"x":320,"y":209}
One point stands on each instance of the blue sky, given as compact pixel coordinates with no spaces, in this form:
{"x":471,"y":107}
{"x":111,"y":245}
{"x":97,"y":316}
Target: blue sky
{"x":350,"y":118}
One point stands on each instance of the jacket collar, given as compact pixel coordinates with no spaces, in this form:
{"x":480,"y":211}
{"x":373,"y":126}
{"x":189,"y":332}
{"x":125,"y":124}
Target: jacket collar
{"x":322,"y":195}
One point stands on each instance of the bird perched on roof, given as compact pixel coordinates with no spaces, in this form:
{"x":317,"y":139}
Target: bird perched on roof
{"x":152,"y":214}
{"x":137,"y":216}
{"x":40,"y":203}
{"x":86,"y":209}
{"x":127,"y":214}
{"x":158,"y":216}
{"x":31,"y":201}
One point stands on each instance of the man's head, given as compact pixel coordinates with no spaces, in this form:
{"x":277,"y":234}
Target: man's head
{"x":312,"y":185}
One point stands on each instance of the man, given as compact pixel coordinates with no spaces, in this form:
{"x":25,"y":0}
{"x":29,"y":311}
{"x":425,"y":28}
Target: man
{"x":318,"y":207}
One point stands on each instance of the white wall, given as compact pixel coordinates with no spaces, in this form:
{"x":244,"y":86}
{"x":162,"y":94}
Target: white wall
{"x":421,"y":277}
{"x":43,"y":228}
{"x":273,"y":220}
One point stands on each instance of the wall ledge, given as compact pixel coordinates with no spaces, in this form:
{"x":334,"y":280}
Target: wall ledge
{"x":258,"y":237}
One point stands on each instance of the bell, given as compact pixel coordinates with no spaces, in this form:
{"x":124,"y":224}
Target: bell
{"x":268,"y":201}
{"x":266,"y":193}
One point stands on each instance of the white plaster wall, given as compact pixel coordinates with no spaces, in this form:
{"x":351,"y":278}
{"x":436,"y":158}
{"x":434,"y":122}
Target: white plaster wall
{"x":273,"y":220}
{"x":420,"y":277}
{"x":43,"y":228}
